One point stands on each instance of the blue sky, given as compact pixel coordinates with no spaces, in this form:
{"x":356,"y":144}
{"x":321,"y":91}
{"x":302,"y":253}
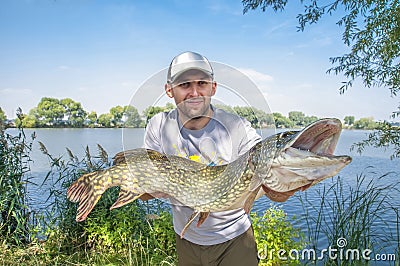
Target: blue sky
{"x":99,"y":52}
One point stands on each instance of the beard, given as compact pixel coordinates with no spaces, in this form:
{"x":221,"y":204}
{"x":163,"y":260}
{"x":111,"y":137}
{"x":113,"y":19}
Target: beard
{"x":195,"y":108}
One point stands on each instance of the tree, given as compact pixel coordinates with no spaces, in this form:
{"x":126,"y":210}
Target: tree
{"x":282,"y":121}
{"x":266,"y":120}
{"x":50,"y":111}
{"x":169,"y":107}
{"x":106,"y":120}
{"x":117,"y":113}
{"x":298,"y":118}
{"x":386,"y":135}
{"x":349,"y":120}
{"x":371,"y":31}
{"x":74,"y":112}
{"x":131,"y":117}
{"x":27,"y":121}
{"x":365,"y":123}
{"x":92,"y":119}
{"x":310,"y":119}
{"x":3,"y":118}
{"x":151,"y":111}
{"x":248,"y":113}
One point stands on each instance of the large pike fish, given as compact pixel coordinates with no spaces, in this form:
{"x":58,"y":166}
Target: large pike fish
{"x":287,"y":161}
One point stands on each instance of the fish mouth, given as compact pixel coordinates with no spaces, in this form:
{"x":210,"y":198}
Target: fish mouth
{"x":319,"y":138}
{"x":308,"y":157}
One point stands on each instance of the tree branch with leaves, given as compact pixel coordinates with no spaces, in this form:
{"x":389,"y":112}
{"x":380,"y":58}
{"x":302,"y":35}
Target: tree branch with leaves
{"x":371,"y":30}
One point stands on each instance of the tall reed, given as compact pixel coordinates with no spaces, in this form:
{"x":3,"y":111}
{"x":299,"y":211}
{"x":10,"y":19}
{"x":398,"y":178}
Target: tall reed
{"x":351,"y":217}
{"x":16,"y":219}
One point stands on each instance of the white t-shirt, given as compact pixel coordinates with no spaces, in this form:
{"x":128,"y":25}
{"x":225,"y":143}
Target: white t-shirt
{"x":222,"y":140}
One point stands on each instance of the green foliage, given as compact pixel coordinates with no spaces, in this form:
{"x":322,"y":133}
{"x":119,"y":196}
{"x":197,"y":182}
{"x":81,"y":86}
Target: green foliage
{"x":349,"y":120}
{"x":248,"y":113}
{"x":138,"y":229}
{"x":114,"y":229}
{"x":74,"y":112}
{"x":55,"y":112}
{"x":371,"y":30}
{"x":273,"y":232}
{"x":117,"y":113}
{"x":3,"y":119}
{"x":385,"y":136}
{"x":151,"y":111}
{"x":128,"y":116}
{"x":50,"y":111}
{"x":132,"y":117}
{"x":365,"y":123}
{"x":92,"y":119}
{"x":16,"y":220}
{"x":106,"y":120}
{"x":26,"y":121}
{"x":282,"y":121}
{"x":298,"y":118}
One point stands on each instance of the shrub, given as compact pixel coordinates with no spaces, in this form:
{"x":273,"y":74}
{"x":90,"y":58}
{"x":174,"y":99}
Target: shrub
{"x":273,"y":233}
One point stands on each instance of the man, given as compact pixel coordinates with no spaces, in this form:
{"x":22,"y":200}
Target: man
{"x":199,"y":131}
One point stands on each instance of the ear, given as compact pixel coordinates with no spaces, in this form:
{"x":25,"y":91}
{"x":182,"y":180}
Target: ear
{"x":214,"y":88}
{"x":169,"y":91}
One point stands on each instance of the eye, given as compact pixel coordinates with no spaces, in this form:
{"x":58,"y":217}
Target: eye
{"x":203,"y":83}
{"x":184,"y":85}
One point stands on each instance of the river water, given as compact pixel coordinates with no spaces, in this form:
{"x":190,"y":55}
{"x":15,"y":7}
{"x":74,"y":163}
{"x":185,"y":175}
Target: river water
{"x":373,"y":163}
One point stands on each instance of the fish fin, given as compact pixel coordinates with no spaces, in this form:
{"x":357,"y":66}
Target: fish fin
{"x":120,"y":157}
{"x":84,"y":192}
{"x":255,"y":183}
{"x":248,"y":204}
{"x":125,"y":197}
{"x":202,"y":218}
{"x":191,"y":219}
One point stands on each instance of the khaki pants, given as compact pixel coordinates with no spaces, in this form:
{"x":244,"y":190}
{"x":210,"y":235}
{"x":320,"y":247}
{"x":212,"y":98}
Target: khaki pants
{"x":240,"y":251}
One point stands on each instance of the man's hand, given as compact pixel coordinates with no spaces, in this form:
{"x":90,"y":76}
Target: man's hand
{"x":281,"y":196}
{"x":155,"y":195}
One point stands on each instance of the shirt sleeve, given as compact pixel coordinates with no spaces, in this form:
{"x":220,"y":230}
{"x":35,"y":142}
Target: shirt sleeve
{"x":152,"y":136}
{"x":250,"y":139}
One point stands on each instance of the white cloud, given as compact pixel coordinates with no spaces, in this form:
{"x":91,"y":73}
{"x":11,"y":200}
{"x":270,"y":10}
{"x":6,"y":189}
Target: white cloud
{"x":227,"y":8}
{"x":63,"y":67}
{"x":255,"y":75}
{"x":8,"y":91}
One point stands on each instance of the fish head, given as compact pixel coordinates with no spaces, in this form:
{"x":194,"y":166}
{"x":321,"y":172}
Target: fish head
{"x":306,"y":157}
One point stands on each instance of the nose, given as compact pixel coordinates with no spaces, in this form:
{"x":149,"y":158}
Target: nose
{"x":194,"y":89}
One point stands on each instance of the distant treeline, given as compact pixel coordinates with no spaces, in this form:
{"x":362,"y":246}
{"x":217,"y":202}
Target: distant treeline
{"x":52,"y":112}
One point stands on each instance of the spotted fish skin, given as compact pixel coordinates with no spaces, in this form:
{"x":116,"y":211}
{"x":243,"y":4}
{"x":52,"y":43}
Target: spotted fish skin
{"x":283,"y":162}
{"x":142,"y":171}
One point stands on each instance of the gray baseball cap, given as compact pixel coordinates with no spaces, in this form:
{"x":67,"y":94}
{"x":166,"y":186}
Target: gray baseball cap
{"x":188,"y":61}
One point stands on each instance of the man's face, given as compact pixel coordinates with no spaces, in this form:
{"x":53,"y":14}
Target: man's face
{"x":192,"y":93}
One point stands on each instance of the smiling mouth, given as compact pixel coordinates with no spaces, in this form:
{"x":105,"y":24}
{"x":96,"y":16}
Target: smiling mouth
{"x":194,"y":101}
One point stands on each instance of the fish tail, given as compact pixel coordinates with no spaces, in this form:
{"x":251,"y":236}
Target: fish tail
{"x":125,"y":197}
{"x":86,"y":193}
